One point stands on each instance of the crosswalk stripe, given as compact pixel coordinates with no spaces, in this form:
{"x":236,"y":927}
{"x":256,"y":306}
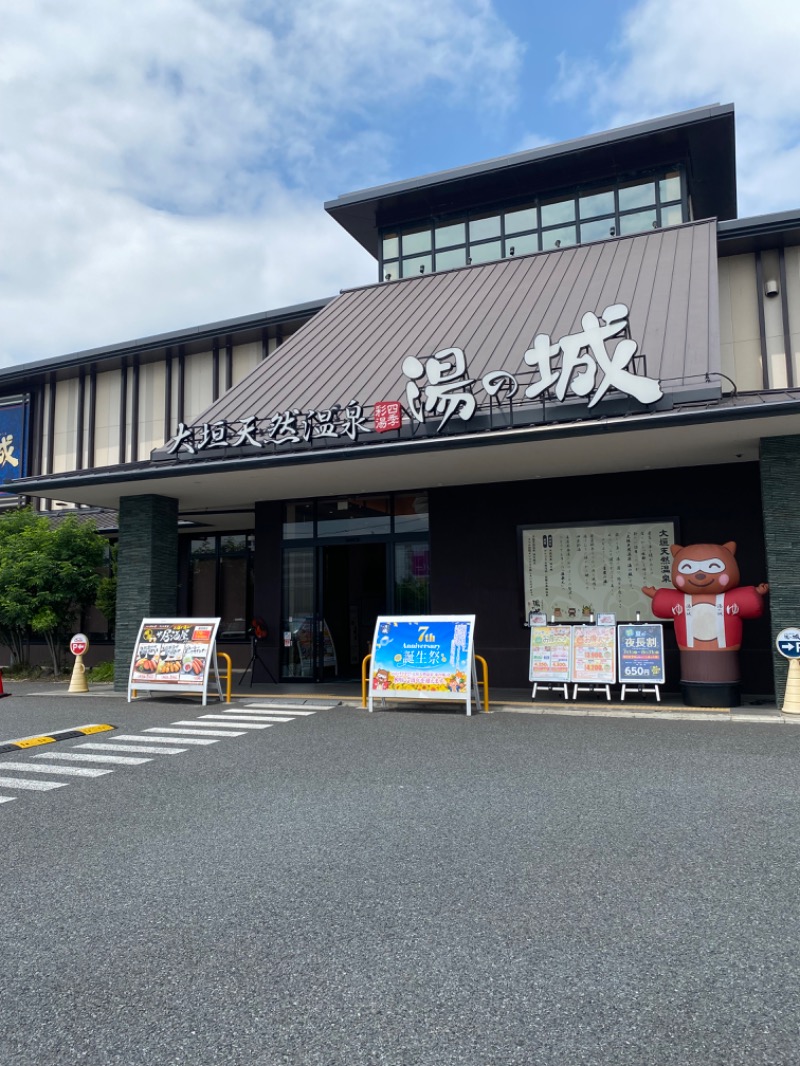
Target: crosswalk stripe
{"x":7,"y":799}
{"x":34,"y":786}
{"x":283,"y":707}
{"x":195,"y":722}
{"x":194,"y":732}
{"x":72,"y":771}
{"x":258,"y":716}
{"x":70,"y":756}
{"x":147,"y":748}
{"x":240,"y":723}
{"x":163,"y":740}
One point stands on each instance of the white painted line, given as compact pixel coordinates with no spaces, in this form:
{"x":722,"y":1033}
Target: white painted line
{"x":7,"y":799}
{"x":235,"y":723}
{"x":196,"y":732}
{"x":284,"y":707}
{"x":240,"y":723}
{"x":73,"y":771}
{"x":146,"y":748}
{"x":70,"y":756}
{"x":258,"y":715}
{"x":163,"y":740}
{"x":34,"y":786}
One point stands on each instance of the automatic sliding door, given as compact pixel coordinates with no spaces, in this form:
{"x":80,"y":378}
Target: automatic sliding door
{"x":298,"y":622}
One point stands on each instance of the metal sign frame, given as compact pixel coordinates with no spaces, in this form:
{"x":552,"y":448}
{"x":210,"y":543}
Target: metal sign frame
{"x":182,"y":646}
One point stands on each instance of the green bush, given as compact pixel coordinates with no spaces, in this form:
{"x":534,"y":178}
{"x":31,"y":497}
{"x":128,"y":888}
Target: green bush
{"x":101,"y":673}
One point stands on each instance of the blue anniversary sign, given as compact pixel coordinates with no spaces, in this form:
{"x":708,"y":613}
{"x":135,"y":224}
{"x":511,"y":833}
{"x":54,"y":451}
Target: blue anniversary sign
{"x":12,"y":435}
{"x":428,"y":657}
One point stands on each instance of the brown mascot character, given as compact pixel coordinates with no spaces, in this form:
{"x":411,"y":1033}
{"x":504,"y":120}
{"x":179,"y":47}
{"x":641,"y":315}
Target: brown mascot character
{"x":708,"y":607}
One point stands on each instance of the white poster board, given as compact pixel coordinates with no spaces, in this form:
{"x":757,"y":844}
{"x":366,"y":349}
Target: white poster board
{"x":423,"y":657}
{"x":175,"y":655}
{"x":550,"y":654}
{"x":594,"y":655}
{"x":575,"y":573}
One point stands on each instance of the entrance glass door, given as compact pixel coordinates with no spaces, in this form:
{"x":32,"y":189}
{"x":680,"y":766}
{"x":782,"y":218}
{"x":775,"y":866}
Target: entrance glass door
{"x":362,"y":557}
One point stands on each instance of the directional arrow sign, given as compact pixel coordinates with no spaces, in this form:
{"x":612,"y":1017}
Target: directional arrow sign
{"x":788,"y":643}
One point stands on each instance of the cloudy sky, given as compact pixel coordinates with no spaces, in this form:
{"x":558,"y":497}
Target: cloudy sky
{"x":164,"y":163}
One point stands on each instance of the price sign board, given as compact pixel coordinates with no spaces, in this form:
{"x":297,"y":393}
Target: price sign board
{"x":175,"y":655}
{"x":641,"y":654}
{"x":429,"y":657}
{"x":594,"y":655}
{"x":551,"y":652}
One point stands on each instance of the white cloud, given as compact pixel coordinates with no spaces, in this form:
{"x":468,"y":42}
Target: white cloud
{"x":163,"y":163}
{"x":676,"y":54}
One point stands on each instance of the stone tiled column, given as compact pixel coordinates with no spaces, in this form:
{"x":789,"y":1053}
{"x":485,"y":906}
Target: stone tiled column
{"x":147,"y":571}
{"x":780,"y":494}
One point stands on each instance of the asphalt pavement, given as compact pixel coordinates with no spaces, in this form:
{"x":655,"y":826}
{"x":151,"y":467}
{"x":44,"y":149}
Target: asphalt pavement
{"x":407,"y":888}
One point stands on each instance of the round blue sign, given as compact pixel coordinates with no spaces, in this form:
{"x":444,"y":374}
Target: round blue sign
{"x":788,"y":643}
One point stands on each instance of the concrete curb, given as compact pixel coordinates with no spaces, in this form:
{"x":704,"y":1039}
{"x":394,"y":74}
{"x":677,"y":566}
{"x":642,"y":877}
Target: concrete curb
{"x":52,"y":738}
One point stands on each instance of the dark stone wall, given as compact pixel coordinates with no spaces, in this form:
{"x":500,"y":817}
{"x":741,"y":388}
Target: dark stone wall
{"x":147,"y":571}
{"x":780,"y":496}
{"x":476,"y":566}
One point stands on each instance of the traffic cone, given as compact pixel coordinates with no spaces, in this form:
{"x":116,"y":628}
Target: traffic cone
{"x":2,"y":690}
{"x":791,"y":697}
{"x":78,"y":681}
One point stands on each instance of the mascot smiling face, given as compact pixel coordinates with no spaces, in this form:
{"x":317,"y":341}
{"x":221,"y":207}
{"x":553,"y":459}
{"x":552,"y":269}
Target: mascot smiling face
{"x":705,"y":568}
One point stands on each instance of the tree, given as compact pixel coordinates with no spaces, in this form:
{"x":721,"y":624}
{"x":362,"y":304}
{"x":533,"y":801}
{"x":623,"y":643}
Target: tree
{"x":107,"y":592}
{"x":48,"y":575}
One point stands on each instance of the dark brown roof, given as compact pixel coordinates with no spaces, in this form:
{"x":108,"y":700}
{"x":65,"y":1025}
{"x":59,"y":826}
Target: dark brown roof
{"x":354,"y":348}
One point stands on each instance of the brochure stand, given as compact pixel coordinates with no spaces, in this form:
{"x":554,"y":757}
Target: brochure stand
{"x":641,"y":658}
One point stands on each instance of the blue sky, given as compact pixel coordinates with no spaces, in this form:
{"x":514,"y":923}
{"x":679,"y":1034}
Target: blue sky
{"x":164,"y":164}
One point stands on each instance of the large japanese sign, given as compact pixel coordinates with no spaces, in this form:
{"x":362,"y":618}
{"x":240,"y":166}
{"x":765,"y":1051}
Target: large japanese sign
{"x":175,"y":655}
{"x":430,"y":657}
{"x":12,"y":437}
{"x":594,"y":655}
{"x":573,"y":573}
{"x":641,"y":654}
{"x":597,"y":360}
{"x":550,"y":654}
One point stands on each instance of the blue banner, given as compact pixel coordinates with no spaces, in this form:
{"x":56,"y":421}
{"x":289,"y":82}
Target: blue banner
{"x":12,"y":438}
{"x":641,"y":654}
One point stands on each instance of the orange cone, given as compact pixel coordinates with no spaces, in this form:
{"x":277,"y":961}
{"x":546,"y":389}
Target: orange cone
{"x":2,"y":690}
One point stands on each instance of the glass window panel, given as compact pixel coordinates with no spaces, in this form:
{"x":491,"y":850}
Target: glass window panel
{"x":298,"y":520}
{"x":235,"y":598}
{"x":391,"y":270}
{"x":416,"y":241}
{"x":297,"y":631}
{"x":454,"y":257}
{"x":204,"y":586}
{"x":411,"y":513}
{"x":672,"y":215}
{"x":558,"y":238}
{"x":486,"y":253}
{"x":391,"y":246}
{"x":482,"y":228}
{"x":598,"y":203}
{"x":233,"y":543}
{"x":555,"y":213}
{"x":204,"y":546}
{"x":412,"y":266}
{"x":598,"y":230}
{"x":522,"y":244}
{"x":639,"y":195}
{"x":516,"y":221}
{"x":412,"y":578}
{"x":453,"y":234}
{"x":360,"y":516}
{"x":638,"y":222}
{"x":669,"y":188}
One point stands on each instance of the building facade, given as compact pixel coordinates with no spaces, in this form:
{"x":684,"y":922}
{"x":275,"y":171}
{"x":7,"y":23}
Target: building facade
{"x":572,"y":357}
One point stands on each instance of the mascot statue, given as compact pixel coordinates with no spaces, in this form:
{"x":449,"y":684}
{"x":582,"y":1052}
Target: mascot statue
{"x":708,"y":607}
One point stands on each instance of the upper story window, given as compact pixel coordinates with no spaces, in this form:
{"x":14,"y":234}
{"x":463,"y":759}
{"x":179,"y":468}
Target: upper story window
{"x":538,"y":226}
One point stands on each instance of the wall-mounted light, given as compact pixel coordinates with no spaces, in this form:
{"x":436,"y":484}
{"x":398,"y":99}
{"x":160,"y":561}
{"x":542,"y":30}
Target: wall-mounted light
{"x":771,"y":287}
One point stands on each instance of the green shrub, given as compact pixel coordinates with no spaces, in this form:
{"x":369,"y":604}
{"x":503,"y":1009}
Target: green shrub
{"x":101,"y":673}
